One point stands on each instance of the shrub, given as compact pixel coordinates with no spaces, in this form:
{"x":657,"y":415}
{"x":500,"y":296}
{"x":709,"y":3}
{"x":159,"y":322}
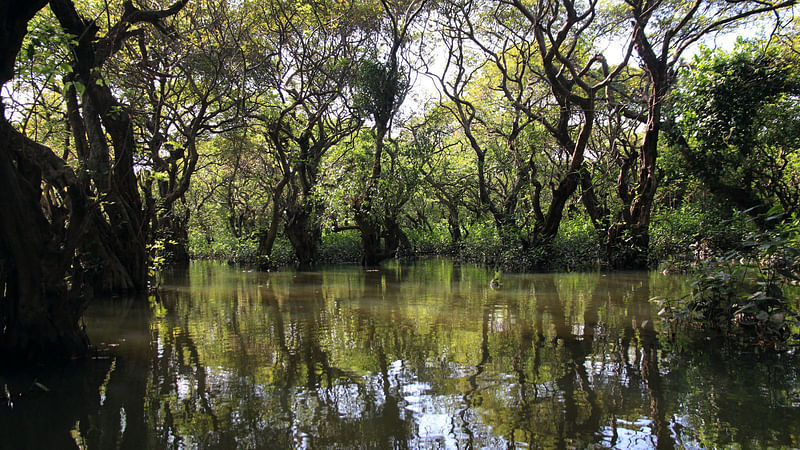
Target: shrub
{"x":340,"y":247}
{"x":746,"y":293}
{"x":682,"y":237}
{"x":432,"y":242}
{"x":577,"y":246}
{"x":574,"y":248}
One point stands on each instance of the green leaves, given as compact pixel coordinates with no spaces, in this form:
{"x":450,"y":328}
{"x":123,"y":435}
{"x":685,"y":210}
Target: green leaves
{"x":381,"y":87}
{"x":744,"y":293}
{"x":734,"y":110}
{"x":80,"y":88}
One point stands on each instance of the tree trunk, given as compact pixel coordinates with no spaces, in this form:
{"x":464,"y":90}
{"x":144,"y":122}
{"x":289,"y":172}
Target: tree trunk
{"x":266,"y":239}
{"x":107,"y":125}
{"x":38,"y":313}
{"x":453,"y":224}
{"x":372,"y":254}
{"x":634,"y":234}
{"x":379,"y":243}
{"x":393,"y":238}
{"x":175,"y":233}
{"x":637,"y":221}
{"x":304,"y":235}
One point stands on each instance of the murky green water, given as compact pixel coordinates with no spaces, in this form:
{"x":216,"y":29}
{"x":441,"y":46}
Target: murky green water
{"x":409,"y":356}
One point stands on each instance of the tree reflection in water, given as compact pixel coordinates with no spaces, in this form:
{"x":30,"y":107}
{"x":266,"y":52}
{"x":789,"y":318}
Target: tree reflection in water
{"x":406,"y":356}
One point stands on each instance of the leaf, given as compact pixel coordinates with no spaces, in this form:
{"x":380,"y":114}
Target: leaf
{"x":79,"y":87}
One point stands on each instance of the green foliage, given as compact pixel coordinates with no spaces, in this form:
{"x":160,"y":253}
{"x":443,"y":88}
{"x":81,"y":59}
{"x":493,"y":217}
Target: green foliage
{"x":159,"y":257}
{"x":223,"y":245}
{"x":436,"y":241}
{"x":694,"y":232}
{"x":721,"y":93}
{"x":44,"y":51}
{"x":575,"y":248}
{"x":41,"y":73}
{"x":381,"y":87}
{"x":746,"y":292}
{"x":738,"y":114}
{"x":342,"y":247}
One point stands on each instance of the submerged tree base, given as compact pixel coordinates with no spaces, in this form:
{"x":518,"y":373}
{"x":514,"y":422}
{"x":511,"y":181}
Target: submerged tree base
{"x":42,"y":344}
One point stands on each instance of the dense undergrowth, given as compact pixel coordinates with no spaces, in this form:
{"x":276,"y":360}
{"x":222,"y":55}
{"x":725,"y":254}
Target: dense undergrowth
{"x":575,"y":249}
{"x":680,"y":238}
{"x":748,"y":294}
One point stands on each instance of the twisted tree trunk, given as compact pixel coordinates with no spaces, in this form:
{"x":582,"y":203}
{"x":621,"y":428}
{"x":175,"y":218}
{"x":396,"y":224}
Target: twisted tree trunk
{"x":57,"y":241}
{"x":38,"y":311}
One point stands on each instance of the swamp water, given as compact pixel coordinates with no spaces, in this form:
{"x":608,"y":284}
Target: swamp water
{"x":424,"y":355}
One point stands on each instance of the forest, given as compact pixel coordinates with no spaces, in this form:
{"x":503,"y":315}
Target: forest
{"x":524,"y":135}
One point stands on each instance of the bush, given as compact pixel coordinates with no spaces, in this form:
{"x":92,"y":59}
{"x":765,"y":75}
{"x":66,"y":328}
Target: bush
{"x":340,"y":247}
{"x":680,"y":238}
{"x":484,"y":245}
{"x":746,"y":292}
{"x":432,"y":242}
{"x":574,"y":248}
{"x":242,"y":250}
{"x":577,"y":246}
{"x":223,"y":245}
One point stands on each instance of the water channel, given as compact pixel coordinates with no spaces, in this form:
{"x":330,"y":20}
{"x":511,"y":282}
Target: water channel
{"x":421,"y":355}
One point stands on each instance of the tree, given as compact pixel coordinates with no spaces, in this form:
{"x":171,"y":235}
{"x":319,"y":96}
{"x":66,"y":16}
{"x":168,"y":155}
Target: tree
{"x":299,"y":106}
{"x":231,"y":200}
{"x":382,"y":85}
{"x":105,"y":143}
{"x":445,"y":167}
{"x":58,"y":222}
{"x":735,"y":124}
{"x":662,"y":32}
{"x":191,"y":81}
{"x":543,"y":81}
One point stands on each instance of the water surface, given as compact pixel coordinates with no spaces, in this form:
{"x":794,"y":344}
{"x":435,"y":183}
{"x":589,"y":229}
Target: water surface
{"x":425,"y":355}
